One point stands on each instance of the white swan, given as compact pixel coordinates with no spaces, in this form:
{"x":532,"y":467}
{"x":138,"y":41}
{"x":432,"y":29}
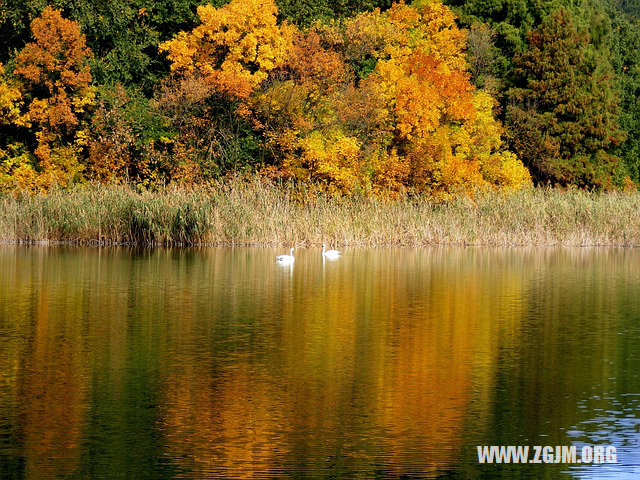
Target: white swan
{"x":286,"y":259}
{"x":330,"y":254}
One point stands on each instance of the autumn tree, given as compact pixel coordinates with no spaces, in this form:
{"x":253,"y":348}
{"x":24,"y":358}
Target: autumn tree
{"x":297,"y":111}
{"x":444,"y":128}
{"x":216,"y":67}
{"x":382,"y":102}
{"x":55,"y":79}
{"x":564,"y":113}
{"x":124,"y":34}
{"x":234,"y":48}
{"x":129,"y":139}
{"x":13,"y":118}
{"x":11,"y":101}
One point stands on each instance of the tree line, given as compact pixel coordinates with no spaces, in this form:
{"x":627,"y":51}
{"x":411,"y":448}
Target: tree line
{"x":355,"y":96}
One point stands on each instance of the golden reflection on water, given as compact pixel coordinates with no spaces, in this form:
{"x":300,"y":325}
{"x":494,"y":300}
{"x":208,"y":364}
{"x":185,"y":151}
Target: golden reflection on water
{"x":218,"y":362}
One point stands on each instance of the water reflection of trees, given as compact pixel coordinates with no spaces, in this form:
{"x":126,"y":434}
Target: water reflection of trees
{"x":365,"y":360}
{"x":213,"y":361}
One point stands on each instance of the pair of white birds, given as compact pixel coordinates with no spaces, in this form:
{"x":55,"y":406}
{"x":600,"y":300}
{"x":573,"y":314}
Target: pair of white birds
{"x":289,"y":259}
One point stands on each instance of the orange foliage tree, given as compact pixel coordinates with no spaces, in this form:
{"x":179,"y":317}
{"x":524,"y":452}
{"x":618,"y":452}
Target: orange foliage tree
{"x":216,"y":67}
{"x":383,"y":102}
{"x":55,"y":82}
{"x":378,"y":103}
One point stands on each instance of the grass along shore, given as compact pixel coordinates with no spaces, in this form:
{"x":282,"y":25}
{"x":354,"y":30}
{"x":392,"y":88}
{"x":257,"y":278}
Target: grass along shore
{"x":250,"y":212}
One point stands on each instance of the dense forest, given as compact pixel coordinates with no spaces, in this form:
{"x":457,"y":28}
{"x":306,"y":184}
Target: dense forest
{"x":349,"y":96}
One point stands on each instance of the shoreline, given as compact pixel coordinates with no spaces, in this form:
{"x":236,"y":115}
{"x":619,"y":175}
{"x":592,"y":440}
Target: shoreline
{"x":252,"y":213}
{"x":97,"y":244}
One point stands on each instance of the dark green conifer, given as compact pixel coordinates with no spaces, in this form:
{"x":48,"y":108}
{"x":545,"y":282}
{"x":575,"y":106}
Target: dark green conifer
{"x":563,"y":113}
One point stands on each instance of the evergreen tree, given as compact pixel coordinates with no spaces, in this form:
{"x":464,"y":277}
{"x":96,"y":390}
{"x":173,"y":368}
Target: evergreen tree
{"x":563,"y":114}
{"x":626,"y":62}
{"x":511,"y":21}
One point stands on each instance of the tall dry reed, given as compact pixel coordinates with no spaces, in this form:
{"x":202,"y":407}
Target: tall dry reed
{"x":251,"y":212}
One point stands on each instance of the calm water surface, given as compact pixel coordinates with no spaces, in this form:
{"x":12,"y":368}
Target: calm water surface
{"x":388,"y":363}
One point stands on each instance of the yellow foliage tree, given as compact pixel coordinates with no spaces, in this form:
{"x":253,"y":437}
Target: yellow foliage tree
{"x":55,"y":87}
{"x":483,"y":143}
{"x":234,"y":47}
{"x":379,"y":102}
{"x":15,"y":170}
{"x":328,"y":158}
{"x":11,"y":101}
{"x":394,"y":88}
{"x":446,"y":138}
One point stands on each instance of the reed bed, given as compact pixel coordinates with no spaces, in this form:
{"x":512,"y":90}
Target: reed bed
{"x":250,"y":212}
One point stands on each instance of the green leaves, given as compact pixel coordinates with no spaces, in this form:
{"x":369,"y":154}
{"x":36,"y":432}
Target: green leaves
{"x":563,"y":113}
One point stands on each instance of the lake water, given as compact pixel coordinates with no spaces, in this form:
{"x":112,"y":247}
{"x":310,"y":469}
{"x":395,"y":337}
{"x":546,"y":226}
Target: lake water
{"x":389,"y":363}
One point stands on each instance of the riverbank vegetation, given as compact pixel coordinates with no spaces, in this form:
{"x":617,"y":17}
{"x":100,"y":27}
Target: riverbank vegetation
{"x":357,"y":122}
{"x":362,"y":97}
{"x":251,"y":212}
